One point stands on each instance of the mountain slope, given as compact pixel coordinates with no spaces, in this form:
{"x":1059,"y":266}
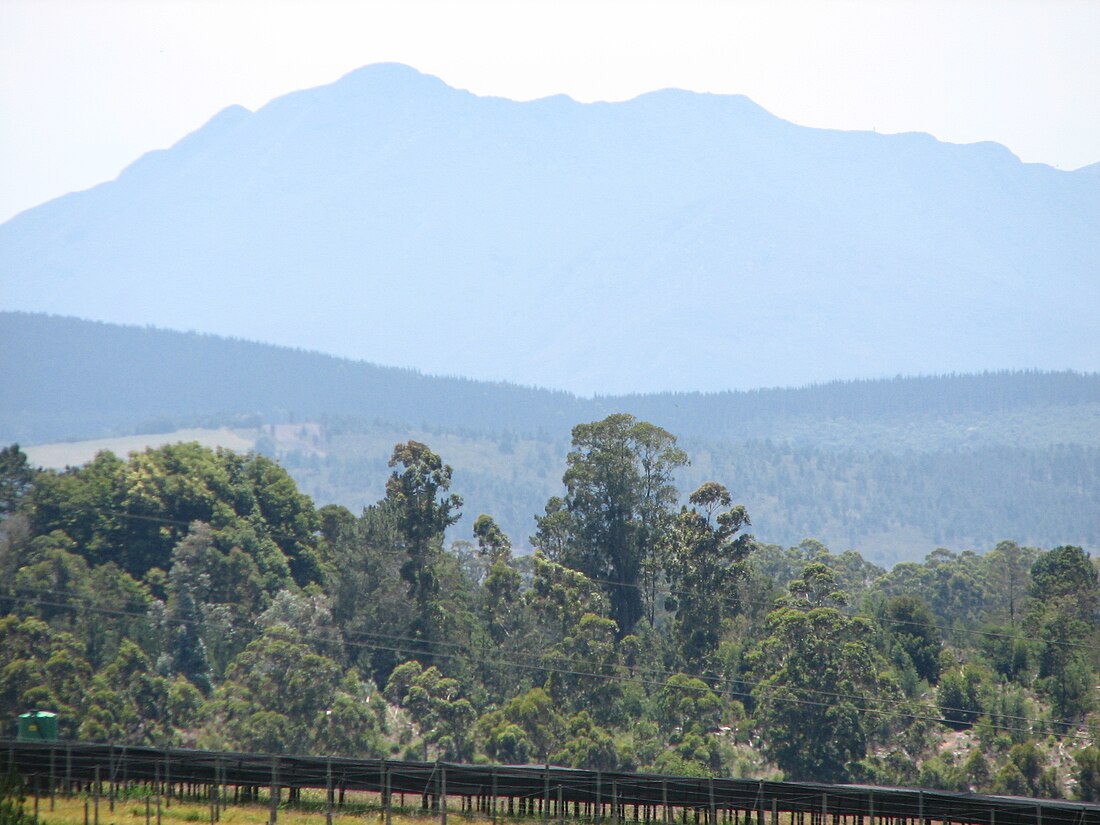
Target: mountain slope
{"x":674,"y":241}
{"x":892,"y":468}
{"x":67,"y":378}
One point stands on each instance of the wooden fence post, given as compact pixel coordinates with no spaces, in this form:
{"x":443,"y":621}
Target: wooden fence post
{"x":274,"y":790}
{"x":389,"y":797}
{"x":328,"y":790}
{"x":53,"y":778}
{"x":493,"y":803}
{"x":167,"y":781}
{"x":111,"y":777}
{"x":443,"y":796}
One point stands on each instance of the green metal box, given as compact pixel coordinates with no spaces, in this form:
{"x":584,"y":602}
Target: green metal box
{"x":37,"y":725}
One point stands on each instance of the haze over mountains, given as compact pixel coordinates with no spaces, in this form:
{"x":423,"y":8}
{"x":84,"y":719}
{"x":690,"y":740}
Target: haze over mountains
{"x":675,"y":241}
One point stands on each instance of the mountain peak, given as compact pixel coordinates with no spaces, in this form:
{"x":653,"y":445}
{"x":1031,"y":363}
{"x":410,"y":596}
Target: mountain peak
{"x":389,"y":74}
{"x":376,"y":85}
{"x":389,"y":79}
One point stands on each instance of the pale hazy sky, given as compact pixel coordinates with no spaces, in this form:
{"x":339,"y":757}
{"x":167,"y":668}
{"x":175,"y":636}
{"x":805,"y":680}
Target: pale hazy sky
{"x":86,"y":86}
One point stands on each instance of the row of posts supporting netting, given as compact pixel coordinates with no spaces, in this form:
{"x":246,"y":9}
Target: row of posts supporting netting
{"x":157,"y":777}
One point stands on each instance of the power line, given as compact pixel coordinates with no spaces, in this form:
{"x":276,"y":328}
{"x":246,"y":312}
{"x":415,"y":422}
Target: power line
{"x":665,"y":591}
{"x":465,"y":654}
{"x":943,"y":630}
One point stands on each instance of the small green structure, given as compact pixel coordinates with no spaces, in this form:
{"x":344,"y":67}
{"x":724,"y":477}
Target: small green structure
{"x":37,"y":726}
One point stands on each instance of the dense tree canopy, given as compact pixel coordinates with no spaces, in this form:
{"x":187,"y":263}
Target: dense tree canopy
{"x":135,"y":512}
{"x":818,"y":681}
{"x":704,"y":561}
{"x":619,"y":496}
{"x":188,"y":596}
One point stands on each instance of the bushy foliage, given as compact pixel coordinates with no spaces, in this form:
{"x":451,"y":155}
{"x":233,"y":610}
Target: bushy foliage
{"x":187,"y":596}
{"x":13,"y":798}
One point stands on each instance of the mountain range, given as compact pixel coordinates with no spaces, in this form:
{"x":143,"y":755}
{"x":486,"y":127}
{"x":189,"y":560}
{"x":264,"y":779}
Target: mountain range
{"x":676,"y":241}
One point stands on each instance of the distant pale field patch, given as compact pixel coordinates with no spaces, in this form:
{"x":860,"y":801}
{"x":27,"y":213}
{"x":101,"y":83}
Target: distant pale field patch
{"x":73,"y":453}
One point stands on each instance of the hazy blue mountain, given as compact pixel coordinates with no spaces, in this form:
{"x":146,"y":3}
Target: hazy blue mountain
{"x":675,"y":241}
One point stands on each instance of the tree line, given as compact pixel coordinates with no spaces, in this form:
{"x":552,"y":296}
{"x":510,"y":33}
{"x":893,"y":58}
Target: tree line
{"x":891,"y":504}
{"x":188,"y":596}
{"x":92,"y":379}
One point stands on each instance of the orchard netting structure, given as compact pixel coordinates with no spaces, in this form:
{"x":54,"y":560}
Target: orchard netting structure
{"x":542,"y":793}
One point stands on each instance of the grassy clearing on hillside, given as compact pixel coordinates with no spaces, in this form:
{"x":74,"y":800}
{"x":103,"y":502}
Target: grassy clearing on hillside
{"x":61,"y":454}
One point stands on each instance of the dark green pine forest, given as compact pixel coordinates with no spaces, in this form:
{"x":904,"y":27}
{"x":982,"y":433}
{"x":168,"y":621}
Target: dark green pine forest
{"x":194,"y":597}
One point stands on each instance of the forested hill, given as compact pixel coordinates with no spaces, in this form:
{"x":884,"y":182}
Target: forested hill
{"x":676,"y":241}
{"x":68,"y":378}
{"x":893,"y":468}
